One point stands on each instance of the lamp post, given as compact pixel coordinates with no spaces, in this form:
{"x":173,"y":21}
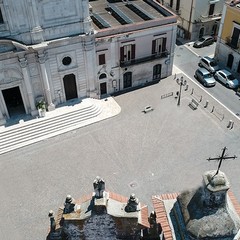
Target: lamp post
{"x":180,"y":82}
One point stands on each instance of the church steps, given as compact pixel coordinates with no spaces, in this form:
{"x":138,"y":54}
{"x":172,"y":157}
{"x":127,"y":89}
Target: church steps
{"x":46,"y":128}
{"x":37,"y":122}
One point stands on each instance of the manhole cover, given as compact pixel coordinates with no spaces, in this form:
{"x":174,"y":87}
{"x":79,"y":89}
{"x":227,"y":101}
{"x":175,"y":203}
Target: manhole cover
{"x":133,"y":184}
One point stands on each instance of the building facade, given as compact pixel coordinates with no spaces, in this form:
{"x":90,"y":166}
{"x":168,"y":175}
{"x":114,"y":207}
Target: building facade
{"x":196,"y":17}
{"x":228,"y":44}
{"x":55,"y":51}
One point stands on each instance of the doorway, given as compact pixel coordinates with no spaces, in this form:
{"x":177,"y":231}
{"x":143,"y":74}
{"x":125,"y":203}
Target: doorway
{"x":201,"y":32}
{"x":13,"y":101}
{"x":157,"y":71}
{"x":230,"y":61}
{"x":127,"y":80}
{"x":70,"y":86}
{"x":103,"y":88}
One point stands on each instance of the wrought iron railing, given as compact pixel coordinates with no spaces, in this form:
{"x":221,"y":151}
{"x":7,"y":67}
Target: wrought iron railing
{"x":144,"y":59}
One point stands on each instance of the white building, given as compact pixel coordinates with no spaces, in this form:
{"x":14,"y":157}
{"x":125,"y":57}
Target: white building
{"x":196,"y":17}
{"x":58,"y":50}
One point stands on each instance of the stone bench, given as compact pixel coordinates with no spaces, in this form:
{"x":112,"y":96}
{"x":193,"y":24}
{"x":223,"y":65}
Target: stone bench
{"x":193,"y":104}
{"x":147,"y":109}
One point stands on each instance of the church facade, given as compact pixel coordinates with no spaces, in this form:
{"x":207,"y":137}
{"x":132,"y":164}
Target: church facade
{"x":59,"y":50}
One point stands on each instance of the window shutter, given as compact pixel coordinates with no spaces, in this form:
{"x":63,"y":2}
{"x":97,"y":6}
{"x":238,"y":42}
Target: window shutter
{"x":164,"y":44}
{"x":121,"y":54}
{"x":153,"y":46}
{"x":133,"y":51}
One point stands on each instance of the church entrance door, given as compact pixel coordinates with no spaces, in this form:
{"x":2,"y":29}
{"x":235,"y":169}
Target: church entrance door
{"x":13,"y":101}
{"x":70,"y":86}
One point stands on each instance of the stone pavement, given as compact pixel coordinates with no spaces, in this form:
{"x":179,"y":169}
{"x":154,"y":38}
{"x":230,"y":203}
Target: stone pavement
{"x":162,"y":151}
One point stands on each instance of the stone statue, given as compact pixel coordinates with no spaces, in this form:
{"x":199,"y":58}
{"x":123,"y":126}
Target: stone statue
{"x":52,"y":221}
{"x":69,"y":204}
{"x":132,"y":204}
{"x":99,"y":187}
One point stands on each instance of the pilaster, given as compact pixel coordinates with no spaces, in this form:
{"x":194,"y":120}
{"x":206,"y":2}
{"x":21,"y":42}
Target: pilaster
{"x":42,"y":59}
{"x":23,"y":63}
{"x":90,"y":60}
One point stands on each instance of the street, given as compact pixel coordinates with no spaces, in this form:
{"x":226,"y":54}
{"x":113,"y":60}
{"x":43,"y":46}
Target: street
{"x":186,"y":59}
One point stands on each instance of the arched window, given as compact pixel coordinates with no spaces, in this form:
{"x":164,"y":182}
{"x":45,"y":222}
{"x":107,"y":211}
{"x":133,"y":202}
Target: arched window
{"x":103,"y":75}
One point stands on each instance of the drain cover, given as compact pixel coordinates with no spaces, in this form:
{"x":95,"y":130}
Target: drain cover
{"x":132,"y":184}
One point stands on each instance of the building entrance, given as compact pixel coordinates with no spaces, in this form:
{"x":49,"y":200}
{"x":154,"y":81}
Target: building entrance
{"x":14,"y":102}
{"x":70,"y":87}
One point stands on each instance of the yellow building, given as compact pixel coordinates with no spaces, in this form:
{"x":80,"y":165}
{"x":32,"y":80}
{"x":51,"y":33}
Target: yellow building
{"x":228,"y":43}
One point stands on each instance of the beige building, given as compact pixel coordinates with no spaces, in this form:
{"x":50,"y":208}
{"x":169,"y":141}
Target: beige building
{"x":196,"y":17}
{"x":228,"y":44}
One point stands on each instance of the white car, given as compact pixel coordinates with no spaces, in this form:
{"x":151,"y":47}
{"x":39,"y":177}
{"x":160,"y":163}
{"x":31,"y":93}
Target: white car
{"x":226,"y":78}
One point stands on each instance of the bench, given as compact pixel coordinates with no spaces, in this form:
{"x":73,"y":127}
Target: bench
{"x":147,"y":109}
{"x":193,"y":104}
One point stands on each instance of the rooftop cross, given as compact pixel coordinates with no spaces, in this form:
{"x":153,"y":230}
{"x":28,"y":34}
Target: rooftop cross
{"x":223,"y":157}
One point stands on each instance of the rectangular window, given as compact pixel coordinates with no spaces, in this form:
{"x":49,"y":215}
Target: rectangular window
{"x":1,"y":17}
{"x":178,"y":5}
{"x":127,"y":53}
{"x":235,"y":37}
{"x":101,"y":59}
{"x":211,"y":9}
{"x":171,"y":3}
{"x":159,"y":46}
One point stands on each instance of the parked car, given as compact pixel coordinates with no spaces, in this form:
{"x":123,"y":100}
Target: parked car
{"x":209,"y":63}
{"x":205,"y":77}
{"x":226,"y":78}
{"x":203,"y":41}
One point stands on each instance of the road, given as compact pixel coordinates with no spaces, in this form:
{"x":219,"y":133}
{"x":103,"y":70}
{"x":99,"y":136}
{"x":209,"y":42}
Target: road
{"x":186,"y":59}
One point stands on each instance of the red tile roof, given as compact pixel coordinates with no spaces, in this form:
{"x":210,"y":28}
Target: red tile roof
{"x":144,"y":216}
{"x":158,"y":204}
{"x":118,"y":197}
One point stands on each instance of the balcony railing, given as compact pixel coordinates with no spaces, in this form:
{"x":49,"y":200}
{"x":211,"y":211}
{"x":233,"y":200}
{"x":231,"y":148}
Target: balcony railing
{"x":144,"y":59}
{"x":235,"y":46}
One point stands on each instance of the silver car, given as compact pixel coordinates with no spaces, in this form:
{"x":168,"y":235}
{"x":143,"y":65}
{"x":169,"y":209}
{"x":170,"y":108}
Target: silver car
{"x":226,"y":78}
{"x":205,"y":77}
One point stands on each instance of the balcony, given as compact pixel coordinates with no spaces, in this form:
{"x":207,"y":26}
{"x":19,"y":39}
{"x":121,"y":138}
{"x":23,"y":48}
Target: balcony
{"x":206,"y":18}
{"x":233,"y":44}
{"x":144,"y":59}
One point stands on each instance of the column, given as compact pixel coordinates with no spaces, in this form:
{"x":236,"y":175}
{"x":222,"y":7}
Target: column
{"x":23,"y":63}
{"x":42,"y":60}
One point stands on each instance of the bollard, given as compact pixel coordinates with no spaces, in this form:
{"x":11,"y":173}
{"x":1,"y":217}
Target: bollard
{"x":206,"y":104}
{"x":177,"y":93}
{"x":232,"y":125}
{"x":229,"y":124}
{"x":192,"y":91}
{"x":186,"y":88}
{"x":200,"y":99}
{"x":175,"y":75}
{"x":212,"y":109}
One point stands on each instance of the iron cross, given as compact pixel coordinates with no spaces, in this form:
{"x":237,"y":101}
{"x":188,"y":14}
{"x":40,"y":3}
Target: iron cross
{"x":223,"y":157}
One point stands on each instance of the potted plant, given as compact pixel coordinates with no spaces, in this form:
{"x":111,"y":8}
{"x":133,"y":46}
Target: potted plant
{"x":41,"y":106}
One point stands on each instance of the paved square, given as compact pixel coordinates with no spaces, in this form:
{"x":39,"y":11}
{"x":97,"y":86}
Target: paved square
{"x":164,"y":150}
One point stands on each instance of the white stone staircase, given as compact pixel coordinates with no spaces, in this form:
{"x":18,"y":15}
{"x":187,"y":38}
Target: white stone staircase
{"x":55,"y":123}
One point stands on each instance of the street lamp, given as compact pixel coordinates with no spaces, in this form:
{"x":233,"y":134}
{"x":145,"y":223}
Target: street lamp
{"x":180,"y":82}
